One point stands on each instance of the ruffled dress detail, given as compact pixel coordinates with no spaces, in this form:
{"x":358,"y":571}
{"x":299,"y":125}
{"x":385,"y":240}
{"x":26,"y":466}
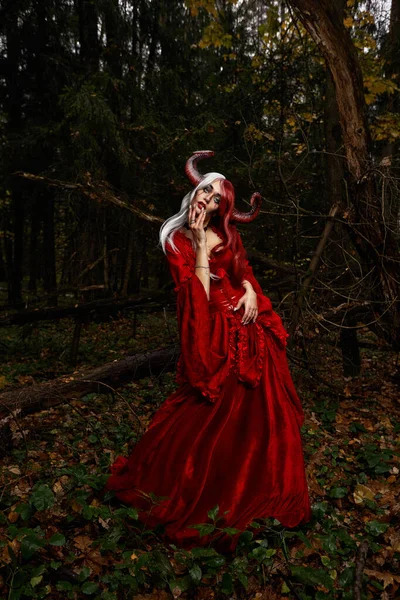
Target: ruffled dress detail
{"x":229,"y":435}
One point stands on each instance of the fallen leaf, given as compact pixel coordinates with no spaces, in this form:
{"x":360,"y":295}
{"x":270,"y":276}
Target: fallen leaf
{"x":387,"y":578}
{"x":83,"y":542}
{"x":14,"y":469}
{"x":362,"y":492}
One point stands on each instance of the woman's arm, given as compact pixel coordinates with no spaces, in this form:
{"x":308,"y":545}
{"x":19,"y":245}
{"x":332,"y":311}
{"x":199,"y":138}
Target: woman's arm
{"x":202,"y":267}
{"x":247,"y":285}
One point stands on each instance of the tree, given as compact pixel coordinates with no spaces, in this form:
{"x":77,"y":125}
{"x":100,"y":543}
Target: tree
{"x":376,"y":244}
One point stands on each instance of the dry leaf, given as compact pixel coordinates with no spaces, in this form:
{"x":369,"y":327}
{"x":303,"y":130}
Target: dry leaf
{"x":362,"y":492}
{"x":83,"y":542}
{"x":13,"y":516}
{"x":387,"y":578}
{"x":14,"y":469}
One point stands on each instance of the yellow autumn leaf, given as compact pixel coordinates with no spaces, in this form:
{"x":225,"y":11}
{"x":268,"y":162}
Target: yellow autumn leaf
{"x":362,"y":492}
{"x":348,"y":22}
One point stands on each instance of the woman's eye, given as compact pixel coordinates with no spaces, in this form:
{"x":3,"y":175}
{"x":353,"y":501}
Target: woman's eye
{"x":206,"y":189}
{"x":217,"y":199}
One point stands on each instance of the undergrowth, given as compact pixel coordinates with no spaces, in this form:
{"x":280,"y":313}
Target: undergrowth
{"x":61,"y":536}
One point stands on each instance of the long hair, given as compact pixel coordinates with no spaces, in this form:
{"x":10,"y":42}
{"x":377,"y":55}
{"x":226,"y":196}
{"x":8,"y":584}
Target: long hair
{"x":229,"y":231}
{"x":177,"y":221}
{"x":221,"y":219}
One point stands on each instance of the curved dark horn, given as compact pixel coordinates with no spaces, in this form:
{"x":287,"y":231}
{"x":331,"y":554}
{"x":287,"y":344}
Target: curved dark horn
{"x":240,"y":217}
{"x":191,"y":165}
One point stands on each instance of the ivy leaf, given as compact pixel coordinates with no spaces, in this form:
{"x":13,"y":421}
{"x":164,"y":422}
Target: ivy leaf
{"x":196,"y":573}
{"x":64,"y":586}
{"x":338,"y":492}
{"x":30,"y":544}
{"x":212,"y":514}
{"x":58,"y":539}
{"x":84,"y":574}
{"x":227,"y":584}
{"x":376,"y":528}
{"x":245,"y":538}
{"x":216,"y":562}
{"x":25,"y":510}
{"x":204,"y":528}
{"x":204,"y":553}
{"x":89,"y":588}
{"x":319,"y":510}
{"x":313,"y":577}
{"x":231,"y":530}
{"x":36,"y":580}
{"x":42,"y":497}
{"x":163,"y":563}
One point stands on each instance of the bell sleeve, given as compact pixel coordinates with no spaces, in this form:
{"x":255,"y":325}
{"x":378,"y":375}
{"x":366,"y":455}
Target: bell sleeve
{"x":195,"y":363}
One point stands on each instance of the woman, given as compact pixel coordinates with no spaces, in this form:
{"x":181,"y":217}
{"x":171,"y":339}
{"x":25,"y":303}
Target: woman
{"x":229,"y":435}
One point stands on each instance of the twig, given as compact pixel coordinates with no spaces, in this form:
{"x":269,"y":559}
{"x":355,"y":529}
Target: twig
{"x":360,"y":562}
{"x":289,"y":584}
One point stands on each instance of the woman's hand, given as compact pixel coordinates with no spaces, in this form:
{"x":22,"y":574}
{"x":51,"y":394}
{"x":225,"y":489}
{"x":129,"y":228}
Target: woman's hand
{"x":249,"y":301}
{"x":196,"y":216}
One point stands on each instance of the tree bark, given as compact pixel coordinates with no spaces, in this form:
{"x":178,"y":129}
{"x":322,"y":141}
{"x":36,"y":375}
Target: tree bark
{"x":375,"y":242}
{"x":335,"y":181}
{"x":88,"y":35}
{"x":49,"y":249}
{"x":13,"y":113}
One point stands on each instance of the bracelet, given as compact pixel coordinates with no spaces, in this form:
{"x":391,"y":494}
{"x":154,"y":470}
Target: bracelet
{"x":200,"y":267}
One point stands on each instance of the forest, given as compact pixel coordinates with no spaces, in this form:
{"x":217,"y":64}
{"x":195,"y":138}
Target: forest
{"x":102,"y":102}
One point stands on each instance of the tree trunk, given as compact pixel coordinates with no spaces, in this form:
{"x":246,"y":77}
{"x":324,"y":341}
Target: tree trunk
{"x":113,"y":43}
{"x":13,"y":112}
{"x":375,"y":243}
{"x":335,"y":182}
{"x":128,"y":265}
{"x":49,"y":251}
{"x":33,"y":247}
{"x":88,"y":35}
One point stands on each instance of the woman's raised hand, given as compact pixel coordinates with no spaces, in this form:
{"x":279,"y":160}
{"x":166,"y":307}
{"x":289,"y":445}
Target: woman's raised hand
{"x":196,"y":216}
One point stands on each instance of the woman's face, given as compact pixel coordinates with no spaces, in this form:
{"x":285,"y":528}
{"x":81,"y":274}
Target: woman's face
{"x":209,"y":197}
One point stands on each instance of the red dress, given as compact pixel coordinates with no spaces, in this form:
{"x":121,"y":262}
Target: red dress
{"x":229,"y":435}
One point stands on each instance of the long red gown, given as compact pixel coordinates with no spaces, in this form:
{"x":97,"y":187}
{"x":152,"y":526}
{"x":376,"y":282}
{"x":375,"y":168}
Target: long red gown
{"x":229,"y":435}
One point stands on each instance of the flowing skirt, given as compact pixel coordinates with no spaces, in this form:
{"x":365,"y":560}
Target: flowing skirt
{"x":243,"y":453}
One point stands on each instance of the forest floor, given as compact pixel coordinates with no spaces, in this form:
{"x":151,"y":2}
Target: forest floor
{"x":61,"y":537}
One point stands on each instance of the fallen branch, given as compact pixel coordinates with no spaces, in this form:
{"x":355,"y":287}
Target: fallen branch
{"x":99,"y":191}
{"x":312,"y":269}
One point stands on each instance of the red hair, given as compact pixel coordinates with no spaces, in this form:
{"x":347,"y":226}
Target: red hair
{"x":229,"y":231}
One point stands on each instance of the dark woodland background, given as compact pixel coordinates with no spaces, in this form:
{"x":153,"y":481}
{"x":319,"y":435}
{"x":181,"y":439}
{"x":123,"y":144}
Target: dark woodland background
{"x":102,"y":102}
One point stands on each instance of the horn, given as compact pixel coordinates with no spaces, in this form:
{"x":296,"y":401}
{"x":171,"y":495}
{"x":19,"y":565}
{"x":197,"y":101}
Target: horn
{"x":191,"y":165}
{"x":241,"y":217}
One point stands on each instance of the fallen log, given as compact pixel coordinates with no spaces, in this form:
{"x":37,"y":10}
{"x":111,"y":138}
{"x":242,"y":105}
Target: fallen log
{"x":101,"y":380}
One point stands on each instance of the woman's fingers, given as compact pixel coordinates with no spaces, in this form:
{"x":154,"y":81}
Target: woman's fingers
{"x":250,"y":314}
{"x":239,"y":304}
